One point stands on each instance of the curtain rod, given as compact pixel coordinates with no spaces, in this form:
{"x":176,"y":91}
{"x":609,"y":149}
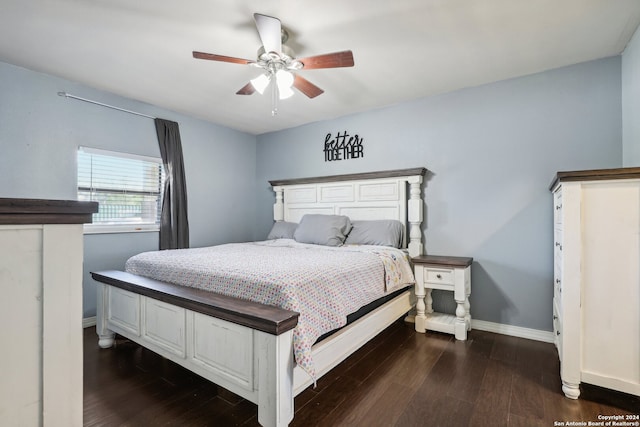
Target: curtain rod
{"x":68,"y":95}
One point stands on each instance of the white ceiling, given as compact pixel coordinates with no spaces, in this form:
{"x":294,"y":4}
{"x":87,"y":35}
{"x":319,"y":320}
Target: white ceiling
{"x":403,"y":49}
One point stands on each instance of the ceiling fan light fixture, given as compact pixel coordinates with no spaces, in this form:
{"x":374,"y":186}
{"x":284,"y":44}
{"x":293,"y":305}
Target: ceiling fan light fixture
{"x":285,"y":92}
{"x":260,"y":83}
{"x":284,"y":82}
{"x":284,"y":79}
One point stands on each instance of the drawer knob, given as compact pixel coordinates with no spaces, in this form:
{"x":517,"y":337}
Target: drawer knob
{"x":555,"y":317}
{"x":557,"y":332}
{"x":439,"y":276}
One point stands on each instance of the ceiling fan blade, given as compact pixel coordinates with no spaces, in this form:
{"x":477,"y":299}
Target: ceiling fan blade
{"x":328,"y":60}
{"x":306,"y":87}
{"x":247,"y":89}
{"x":222,"y":58}
{"x":270,"y":31}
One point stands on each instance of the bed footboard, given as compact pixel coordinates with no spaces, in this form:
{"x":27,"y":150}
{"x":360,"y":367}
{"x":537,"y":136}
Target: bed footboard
{"x":256,"y":358}
{"x":243,"y":346}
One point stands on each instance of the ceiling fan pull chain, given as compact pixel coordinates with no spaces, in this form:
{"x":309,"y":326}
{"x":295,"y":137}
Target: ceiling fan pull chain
{"x":274,"y":97}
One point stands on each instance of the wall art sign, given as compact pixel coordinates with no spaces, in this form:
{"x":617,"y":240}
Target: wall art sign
{"x":342,"y":147}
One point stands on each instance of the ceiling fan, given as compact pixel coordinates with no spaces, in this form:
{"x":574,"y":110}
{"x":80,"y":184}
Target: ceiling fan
{"x":279,"y":64}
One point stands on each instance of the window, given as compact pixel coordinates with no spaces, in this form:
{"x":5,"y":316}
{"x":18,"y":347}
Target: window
{"x":127,"y":187}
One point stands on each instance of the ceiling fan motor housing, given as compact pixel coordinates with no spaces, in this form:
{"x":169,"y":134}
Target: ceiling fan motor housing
{"x":278,"y":60}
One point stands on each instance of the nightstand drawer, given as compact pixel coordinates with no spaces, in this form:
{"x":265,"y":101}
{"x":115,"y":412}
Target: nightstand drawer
{"x":438,"y":276}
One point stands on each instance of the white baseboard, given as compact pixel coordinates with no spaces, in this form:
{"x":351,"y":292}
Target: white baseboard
{"x":514,"y":331}
{"x":87,"y":322}
{"x":499,"y":328}
{"x":482,"y":325}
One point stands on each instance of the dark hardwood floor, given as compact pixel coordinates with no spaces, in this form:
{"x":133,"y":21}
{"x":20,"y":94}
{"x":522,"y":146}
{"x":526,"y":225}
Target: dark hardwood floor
{"x":400,"y":378}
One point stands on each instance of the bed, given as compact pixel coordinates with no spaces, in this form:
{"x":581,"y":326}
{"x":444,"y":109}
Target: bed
{"x":255,"y":348}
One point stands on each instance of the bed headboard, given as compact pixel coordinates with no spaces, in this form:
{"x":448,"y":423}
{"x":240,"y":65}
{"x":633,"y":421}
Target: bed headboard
{"x":394,"y":194}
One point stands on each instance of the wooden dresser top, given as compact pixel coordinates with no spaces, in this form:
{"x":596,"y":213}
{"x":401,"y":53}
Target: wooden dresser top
{"x":44,"y":211}
{"x":594,"y":175}
{"x":445,"y":261}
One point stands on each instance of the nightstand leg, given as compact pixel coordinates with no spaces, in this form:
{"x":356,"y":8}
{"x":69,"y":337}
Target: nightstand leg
{"x":467,"y":308}
{"x":460,"y":326}
{"x":428,"y":300}
{"x":421,"y":318}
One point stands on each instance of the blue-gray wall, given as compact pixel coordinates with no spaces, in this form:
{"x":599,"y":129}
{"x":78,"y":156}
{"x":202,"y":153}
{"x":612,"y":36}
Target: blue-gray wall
{"x":492,"y":151}
{"x":631,"y":102}
{"x":41,"y":131}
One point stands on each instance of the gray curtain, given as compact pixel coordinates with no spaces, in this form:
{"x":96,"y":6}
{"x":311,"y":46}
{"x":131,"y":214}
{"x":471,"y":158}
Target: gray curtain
{"x":174,"y":224}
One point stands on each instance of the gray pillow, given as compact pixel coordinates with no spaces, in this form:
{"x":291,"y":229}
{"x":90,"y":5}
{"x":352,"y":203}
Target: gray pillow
{"x":383,"y":232}
{"x":328,"y":230}
{"x":282,"y":230}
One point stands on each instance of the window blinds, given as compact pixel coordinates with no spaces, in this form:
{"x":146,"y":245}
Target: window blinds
{"x":127,"y":187}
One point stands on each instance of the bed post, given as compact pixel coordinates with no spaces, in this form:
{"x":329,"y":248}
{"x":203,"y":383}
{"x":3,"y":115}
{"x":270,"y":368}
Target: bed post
{"x":275,"y":379}
{"x":278,"y":207}
{"x":416,"y":247}
{"x":105,"y":336}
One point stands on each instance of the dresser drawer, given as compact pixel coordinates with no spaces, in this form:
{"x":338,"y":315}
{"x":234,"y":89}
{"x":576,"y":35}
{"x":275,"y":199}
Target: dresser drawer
{"x":557,"y":326}
{"x":557,"y":251}
{"x":557,"y":241}
{"x":557,"y":280}
{"x":557,"y":292}
{"x":557,"y":208}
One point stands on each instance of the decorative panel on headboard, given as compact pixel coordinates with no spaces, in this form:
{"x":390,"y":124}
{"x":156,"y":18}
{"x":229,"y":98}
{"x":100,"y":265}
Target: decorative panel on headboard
{"x":356,"y":199}
{"x":368,"y":196}
{"x":335,"y":193}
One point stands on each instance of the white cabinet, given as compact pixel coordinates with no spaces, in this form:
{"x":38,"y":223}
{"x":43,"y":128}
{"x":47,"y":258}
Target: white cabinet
{"x":41,"y":311}
{"x":596,"y":303}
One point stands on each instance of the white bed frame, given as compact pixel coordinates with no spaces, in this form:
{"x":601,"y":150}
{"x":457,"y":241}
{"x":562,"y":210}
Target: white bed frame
{"x":256,"y":360}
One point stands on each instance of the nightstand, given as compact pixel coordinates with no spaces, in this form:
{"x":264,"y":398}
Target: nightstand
{"x":449,"y":274}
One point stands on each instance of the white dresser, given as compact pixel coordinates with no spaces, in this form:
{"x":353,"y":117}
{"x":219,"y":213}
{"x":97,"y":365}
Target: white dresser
{"x":596,"y":303}
{"x":41,"y":311}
